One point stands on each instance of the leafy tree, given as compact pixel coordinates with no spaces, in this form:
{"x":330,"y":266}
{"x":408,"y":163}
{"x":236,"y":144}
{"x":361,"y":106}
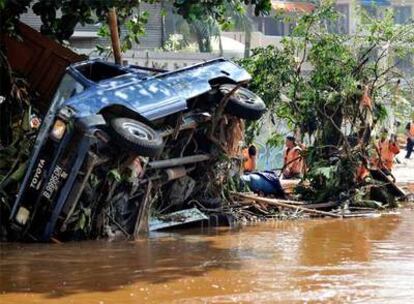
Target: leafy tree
{"x":59,"y":17}
{"x":340,"y":100}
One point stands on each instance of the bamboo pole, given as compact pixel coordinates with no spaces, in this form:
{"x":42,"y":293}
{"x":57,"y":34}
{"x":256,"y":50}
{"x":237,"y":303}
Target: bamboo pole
{"x":113,"y":27}
{"x":283,"y":203}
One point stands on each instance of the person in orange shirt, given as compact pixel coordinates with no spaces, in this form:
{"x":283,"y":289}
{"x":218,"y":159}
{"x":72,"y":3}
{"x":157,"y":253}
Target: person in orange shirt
{"x":249,"y":158}
{"x":293,"y":161}
{"x":387,"y":149}
{"x":410,"y":138}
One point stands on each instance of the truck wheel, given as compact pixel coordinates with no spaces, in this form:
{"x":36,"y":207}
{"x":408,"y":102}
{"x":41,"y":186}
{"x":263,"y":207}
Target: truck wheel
{"x":243,"y":103}
{"x":136,"y":136}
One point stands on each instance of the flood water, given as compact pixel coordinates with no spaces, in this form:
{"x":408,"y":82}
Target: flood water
{"x":320,"y":261}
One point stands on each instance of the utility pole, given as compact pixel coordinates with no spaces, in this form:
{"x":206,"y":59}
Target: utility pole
{"x":113,"y":27}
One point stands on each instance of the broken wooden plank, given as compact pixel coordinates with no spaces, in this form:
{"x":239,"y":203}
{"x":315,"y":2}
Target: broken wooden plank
{"x":365,"y":214}
{"x":253,"y":197}
{"x":392,"y":187}
{"x":142,"y":222}
{"x":285,"y":204}
{"x":322,"y":205}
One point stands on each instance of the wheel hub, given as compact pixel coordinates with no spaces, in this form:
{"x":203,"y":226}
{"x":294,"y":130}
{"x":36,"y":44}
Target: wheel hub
{"x":136,"y":131}
{"x":244,"y":98}
{"x":241,"y":96}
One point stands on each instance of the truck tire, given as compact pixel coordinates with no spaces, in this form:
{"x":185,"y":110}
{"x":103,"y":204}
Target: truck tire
{"x":136,"y":136}
{"x":243,"y":103}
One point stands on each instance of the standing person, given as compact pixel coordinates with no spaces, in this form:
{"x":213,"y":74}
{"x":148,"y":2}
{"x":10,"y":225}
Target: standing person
{"x":410,"y":137}
{"x":293,"y":162}
{"x":387,"y":149}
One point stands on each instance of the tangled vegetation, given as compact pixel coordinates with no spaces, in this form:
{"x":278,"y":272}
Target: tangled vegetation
{"x":334,"y":90}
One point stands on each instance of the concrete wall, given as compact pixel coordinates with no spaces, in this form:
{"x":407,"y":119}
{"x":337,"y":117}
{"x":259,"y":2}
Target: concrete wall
{"x":258,"y":38}
{"x":166,"y":60}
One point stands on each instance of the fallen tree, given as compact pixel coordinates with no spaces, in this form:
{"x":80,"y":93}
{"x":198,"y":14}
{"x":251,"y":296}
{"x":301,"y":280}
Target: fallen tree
{"x":335,"y":91}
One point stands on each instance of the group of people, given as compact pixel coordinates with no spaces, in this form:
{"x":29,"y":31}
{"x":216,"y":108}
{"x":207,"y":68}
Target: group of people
{"x":387,"y":148}
{"x":268,"y":182}
{"x":293,"y":165}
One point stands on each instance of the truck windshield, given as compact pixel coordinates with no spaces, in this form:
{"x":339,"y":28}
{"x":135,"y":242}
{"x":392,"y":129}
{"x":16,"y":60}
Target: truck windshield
{"x":68,"y":87}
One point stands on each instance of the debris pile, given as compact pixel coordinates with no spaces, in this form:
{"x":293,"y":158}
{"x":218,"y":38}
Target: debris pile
{"x":101,"y":170}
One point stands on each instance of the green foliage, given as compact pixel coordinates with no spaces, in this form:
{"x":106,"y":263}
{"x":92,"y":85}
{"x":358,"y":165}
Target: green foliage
{"x":264,"y":82}
{"x":276,"y":140}
{"x":203,"y":30}
{"x":193,"y":9}
{"x":59,"y":17}
{"x":315,"y":82}
{"x":330,"y":179}
{"x":175,"y":42}
{"x":10,"y":12}
{"x":135,"y":29}
{"x":207,"y":19}
{"x":115,"y":174}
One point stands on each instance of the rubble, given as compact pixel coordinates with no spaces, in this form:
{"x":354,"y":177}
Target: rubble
{"x":284,"y":204}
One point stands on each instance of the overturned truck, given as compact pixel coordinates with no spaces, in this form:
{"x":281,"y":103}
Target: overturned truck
{"x":117,"y":138}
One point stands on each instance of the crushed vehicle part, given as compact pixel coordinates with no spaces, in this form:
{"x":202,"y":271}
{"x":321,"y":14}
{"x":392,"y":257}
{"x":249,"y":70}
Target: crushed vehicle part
{"x":181,"y":189}
{"x":244,"y":103}
{"x":119,"y":113}
{"x":177,"y":219}
{"x":160,"y":164}
{"x":136,"y":136}
{"x":175,"y":173}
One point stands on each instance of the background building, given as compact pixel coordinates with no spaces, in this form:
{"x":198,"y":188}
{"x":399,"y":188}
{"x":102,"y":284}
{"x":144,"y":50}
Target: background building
{"x":266,"y":30}
{"x":269,"y":30}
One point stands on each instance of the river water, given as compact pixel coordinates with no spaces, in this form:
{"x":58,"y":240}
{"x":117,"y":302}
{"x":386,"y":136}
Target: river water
{"x":314,"y":261}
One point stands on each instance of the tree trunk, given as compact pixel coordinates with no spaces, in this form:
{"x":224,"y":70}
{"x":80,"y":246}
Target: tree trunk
{"x":220,"y":44}
{"x":113,"y":27}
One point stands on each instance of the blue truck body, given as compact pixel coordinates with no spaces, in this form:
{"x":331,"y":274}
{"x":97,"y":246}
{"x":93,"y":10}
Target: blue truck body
{"x":80,"y":101}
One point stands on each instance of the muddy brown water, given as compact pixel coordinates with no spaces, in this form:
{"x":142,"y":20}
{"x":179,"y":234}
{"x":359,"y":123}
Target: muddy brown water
{"x":320,"y":261}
